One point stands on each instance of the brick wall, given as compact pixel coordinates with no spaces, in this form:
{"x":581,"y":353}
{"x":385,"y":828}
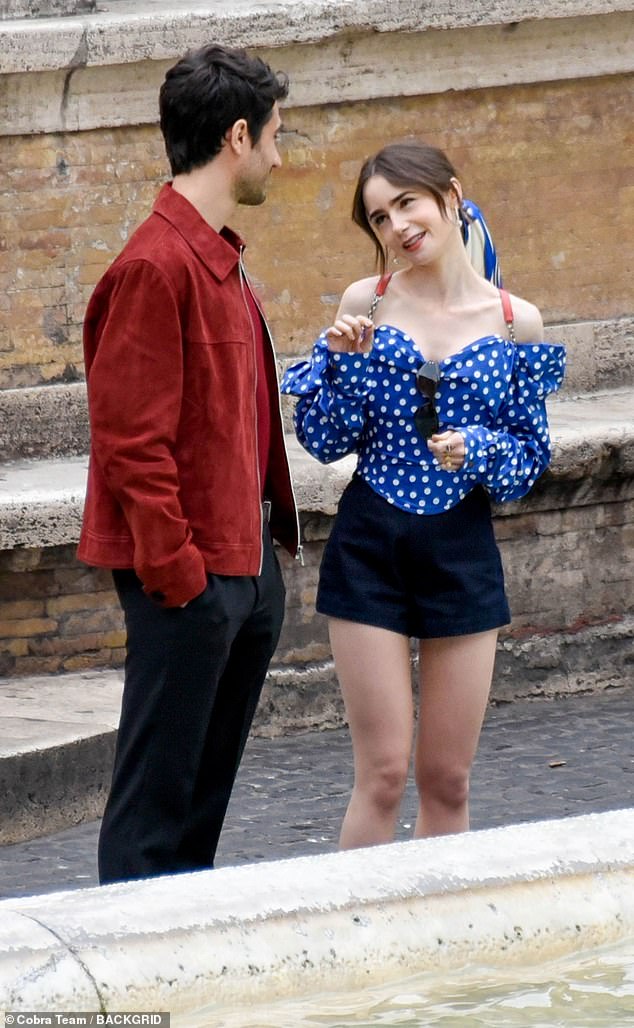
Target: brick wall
{"x":549,"y":163}
{"x":74,"y":201}
{"x":568,"y":572}
{"x":56,"y":614}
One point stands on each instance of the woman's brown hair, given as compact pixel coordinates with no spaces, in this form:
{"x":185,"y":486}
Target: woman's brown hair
{"x":412,"y":165}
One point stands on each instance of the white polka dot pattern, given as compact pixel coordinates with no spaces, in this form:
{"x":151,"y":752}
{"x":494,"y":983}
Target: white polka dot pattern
{"x":492,"y":391}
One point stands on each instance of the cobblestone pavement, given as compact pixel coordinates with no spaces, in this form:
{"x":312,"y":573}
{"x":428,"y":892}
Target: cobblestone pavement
{"x":538,"y":759}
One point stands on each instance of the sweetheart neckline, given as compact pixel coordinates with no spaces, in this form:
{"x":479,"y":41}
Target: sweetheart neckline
{"x":491,"y":336}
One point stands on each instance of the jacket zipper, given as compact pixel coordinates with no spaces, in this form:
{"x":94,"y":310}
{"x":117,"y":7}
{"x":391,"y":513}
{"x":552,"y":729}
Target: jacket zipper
{"x":244,"y":280}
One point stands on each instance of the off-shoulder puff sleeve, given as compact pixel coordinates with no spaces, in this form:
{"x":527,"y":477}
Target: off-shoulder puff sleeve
{"x":539,"y":368}
{"x":509,"y":455}
{"x":329,"y":415}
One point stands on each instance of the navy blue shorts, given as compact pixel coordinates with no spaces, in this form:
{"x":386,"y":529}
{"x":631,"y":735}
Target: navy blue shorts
{"x":422,"y":575}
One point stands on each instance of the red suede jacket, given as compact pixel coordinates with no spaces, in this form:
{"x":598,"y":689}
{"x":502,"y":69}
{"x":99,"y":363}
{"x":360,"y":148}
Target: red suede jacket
{"x":173,"y":482}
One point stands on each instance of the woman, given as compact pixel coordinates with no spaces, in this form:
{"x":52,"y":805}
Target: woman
{"x":444,"y":403}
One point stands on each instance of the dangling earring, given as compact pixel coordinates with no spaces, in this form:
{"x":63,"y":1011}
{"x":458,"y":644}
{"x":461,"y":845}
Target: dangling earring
{"x":456,"y":219}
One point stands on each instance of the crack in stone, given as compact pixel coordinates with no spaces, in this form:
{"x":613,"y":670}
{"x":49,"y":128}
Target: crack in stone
{"x":78,"y":60}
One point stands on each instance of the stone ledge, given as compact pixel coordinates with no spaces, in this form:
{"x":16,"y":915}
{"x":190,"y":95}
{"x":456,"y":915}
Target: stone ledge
{"x":60,"y":75}
{"x":120,"y":34}
{"x":51,"y":421}
{"x":56,"y":751}
{"x":593,"y":453}
{"x":227,"y":940}
{"x":10,"y":9}
{"x":41,"y":501}
{"x":307,"y":696}
{"x":44,"y":421}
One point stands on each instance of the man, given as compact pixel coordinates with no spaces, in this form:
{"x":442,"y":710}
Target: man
{"x":188,"y":473}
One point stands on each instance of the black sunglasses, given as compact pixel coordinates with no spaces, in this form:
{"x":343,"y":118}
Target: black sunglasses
{"x":426,"y":417}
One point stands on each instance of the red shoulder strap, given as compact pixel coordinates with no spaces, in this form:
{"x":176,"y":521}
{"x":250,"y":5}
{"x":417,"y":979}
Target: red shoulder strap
{"x":383,"y":283}
{"x":381,"y":286}
{"x":507,"y":310}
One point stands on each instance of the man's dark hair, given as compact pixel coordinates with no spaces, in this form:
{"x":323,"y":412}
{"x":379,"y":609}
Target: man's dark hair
{"x":205,"y":93}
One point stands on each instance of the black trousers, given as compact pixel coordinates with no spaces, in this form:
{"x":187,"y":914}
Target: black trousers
{"x":193,"y":677}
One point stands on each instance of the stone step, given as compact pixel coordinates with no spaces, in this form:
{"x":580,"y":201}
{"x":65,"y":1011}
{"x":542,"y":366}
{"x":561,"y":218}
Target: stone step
{"x":44,"y":422}
{"x":57,"y":740}
{"x":52,"y":421}
{"x":41,"y":501}
{"x":58,"y":731}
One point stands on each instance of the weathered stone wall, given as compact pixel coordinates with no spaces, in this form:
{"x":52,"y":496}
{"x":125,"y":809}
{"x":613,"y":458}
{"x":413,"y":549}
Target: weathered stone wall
{"x":532,"y":101}
{"x":537,"y":158}
{"x":74,"y":200}
{"x":56,"y":614}
{"x":549,"y":163}
{"x":569,"y":573}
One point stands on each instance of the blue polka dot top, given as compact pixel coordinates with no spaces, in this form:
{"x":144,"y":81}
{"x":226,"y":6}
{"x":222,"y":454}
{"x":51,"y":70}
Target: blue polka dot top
{"x":493,"y":392}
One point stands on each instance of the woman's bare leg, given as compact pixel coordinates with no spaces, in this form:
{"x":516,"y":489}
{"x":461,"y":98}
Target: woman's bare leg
{"x":455,"y":678}
{"x":374,"y":670}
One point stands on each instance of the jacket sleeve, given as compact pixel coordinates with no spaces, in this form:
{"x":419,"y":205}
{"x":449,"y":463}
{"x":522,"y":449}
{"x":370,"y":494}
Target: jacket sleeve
{"x":509,"y":456}
{"x":332,"y":388}
{"x":135,"y":385}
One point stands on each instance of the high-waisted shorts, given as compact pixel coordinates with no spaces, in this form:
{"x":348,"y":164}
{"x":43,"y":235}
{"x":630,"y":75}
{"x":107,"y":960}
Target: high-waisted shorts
{"x":422,"y":575}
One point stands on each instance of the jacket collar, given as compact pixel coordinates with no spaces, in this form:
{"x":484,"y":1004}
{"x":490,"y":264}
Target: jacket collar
{"x":220,"y":252}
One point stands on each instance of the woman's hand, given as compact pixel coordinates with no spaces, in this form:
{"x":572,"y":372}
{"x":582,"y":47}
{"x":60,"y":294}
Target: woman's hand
{"x":351,"y":334}
{"x":448,"y":449}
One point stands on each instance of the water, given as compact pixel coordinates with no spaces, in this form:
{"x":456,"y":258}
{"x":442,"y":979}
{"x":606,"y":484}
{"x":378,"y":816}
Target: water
{"x":591,"y":989}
